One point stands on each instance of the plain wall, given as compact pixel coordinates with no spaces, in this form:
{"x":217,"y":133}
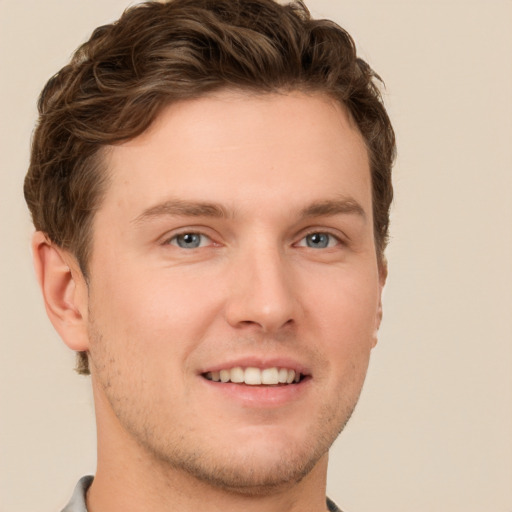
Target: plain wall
{"x":433,"y":429}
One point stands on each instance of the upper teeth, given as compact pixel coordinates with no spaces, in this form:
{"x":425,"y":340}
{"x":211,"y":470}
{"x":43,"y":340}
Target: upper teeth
{"x":255,"y":376}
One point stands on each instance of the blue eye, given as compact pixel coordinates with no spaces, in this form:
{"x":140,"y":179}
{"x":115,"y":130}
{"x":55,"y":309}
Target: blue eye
{"x":319,"y":241}
{"x":189,"y":240}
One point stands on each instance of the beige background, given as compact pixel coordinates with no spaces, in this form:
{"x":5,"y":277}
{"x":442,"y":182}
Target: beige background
{"x":433,"y":430}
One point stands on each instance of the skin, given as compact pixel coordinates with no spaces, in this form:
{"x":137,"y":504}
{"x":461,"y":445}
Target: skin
{"x":155,"y":316}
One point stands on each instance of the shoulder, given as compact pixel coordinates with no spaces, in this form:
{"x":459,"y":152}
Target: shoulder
{"x":332,"y":507}
{"x":77,"y":502}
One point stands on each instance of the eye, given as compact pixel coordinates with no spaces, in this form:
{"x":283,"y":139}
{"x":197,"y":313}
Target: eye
{"x":190,"y":240}
{"x":319,"y":240}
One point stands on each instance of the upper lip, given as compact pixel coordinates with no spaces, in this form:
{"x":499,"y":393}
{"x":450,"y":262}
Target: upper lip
{"x":259,"y":362}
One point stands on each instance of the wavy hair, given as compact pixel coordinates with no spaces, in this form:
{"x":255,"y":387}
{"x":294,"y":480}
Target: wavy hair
{"x":158,"y":53}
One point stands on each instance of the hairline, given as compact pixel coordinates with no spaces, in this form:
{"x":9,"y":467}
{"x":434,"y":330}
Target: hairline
{"x":99,"y":159}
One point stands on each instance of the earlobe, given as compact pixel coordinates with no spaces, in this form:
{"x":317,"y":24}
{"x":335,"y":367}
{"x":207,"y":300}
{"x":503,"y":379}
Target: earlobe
{"x":383,"y":274}
{"x":378,"y":319}
{"x":64,"y":291}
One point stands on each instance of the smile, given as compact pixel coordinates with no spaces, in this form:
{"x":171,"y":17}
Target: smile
{"x":255,"y":376}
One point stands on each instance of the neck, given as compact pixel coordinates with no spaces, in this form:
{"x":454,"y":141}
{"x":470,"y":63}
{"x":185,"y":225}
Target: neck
{"x":130,"y":489}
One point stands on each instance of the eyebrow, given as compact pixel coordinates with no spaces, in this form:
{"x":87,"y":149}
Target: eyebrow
{"x":176,"y":207}
{"x":334,"y":207}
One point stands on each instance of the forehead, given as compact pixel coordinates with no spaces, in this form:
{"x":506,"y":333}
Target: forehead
{"x":235,"y":146}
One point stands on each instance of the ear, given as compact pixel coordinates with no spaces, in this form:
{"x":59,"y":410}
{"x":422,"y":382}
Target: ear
{"x":383,"y":274}
{"x":64,"y":291}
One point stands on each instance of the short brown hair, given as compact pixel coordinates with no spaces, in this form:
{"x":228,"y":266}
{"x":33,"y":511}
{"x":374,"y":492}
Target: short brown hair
{"x":158,"y":53}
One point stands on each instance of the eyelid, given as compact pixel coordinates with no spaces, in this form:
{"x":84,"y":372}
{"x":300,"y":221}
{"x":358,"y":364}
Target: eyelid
{"x":175,"y":237}
{"x":339,"y":236}
{"x":192,"y":230}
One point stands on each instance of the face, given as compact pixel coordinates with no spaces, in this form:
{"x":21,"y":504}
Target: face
{"x":234,"y":288}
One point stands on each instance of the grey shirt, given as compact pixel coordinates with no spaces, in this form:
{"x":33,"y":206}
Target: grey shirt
{"x":77,"y":502}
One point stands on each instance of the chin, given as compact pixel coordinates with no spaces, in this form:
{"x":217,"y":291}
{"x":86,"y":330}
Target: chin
{"x":255,"y":473}
{"x":264,"y":463}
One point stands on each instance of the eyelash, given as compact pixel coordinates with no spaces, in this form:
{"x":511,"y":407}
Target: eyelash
{"x":174,"y":239}
{"x":331,"y":236}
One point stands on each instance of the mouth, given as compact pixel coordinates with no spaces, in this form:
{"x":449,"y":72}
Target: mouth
{"x":252,"y":376}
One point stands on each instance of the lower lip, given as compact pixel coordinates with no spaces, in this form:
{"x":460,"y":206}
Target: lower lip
{"x":259,"y":396}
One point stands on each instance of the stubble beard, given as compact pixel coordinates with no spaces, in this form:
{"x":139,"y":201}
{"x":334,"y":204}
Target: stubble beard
{"x":247,"y":474}
{"x":237,"y":472}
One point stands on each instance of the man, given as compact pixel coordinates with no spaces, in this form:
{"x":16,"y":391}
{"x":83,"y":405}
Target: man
{"x":210,"y":186}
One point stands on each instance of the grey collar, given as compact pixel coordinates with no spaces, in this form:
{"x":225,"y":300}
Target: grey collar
{"x":77,"y":502}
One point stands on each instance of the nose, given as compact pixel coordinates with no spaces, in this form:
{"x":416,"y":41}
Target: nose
{"x":262,"y":294}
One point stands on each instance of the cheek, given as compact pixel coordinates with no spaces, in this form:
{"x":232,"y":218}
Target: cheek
{"x":145,"y":316}
{"x":346,"y":303}
{"x":138,"y":339}
{"x":346,"y":314}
